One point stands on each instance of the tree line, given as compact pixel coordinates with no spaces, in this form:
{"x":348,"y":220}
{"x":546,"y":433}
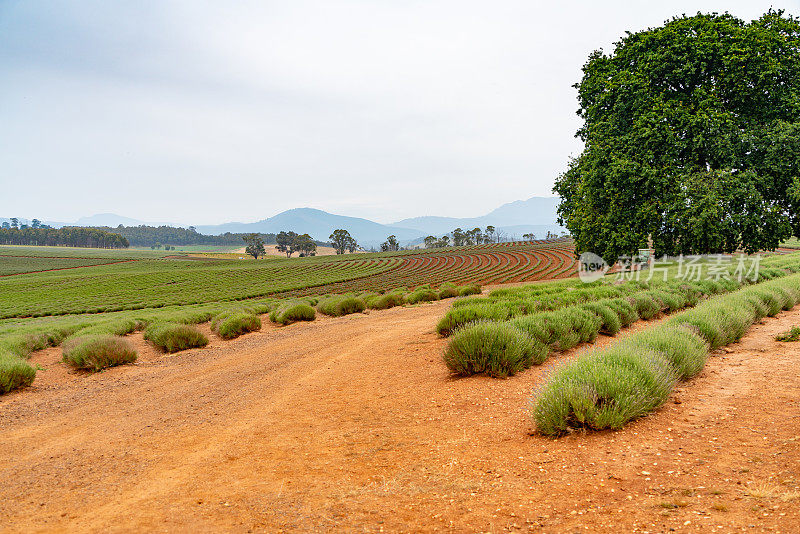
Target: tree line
{"x":69,"y":236}
{"x":14,"y":223}
{"x":156,"y":236}
{"x":290,"y":242}
{"x":476,"y":236}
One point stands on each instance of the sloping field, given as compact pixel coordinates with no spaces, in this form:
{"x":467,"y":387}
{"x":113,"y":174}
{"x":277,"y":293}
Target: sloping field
{"x":484,"y":264}
{"x":146,"y":281}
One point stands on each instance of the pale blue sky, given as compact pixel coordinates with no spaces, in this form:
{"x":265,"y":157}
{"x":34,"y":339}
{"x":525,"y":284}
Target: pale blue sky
{"x":205,"y":112}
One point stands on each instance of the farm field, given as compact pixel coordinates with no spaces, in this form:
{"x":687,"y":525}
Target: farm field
{"x":153,"y":281}
{"x":300,"y":428}
{"x":19,"y":264}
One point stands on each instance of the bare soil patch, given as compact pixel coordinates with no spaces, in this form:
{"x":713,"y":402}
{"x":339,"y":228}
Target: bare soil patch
{"x":353,"y":424}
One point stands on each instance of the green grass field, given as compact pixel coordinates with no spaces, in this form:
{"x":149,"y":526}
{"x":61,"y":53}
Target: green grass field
{"x":156,"y":283}
{"x":80,"y":252}
{"x":791,"y":243}
{"x":220,"y":249}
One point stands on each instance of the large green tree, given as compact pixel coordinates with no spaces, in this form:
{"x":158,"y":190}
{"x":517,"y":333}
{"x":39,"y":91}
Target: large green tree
{"x":691,"y":138}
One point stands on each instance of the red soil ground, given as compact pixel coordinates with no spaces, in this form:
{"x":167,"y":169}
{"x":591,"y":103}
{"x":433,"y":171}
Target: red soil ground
{"x":353,"y":424}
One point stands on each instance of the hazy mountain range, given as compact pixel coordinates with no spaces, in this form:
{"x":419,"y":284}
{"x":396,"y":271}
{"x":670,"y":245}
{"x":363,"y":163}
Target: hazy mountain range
{"x":536,"y":215}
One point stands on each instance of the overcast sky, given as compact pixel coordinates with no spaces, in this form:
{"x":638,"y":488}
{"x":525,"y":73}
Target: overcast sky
{"x":205,"y":112}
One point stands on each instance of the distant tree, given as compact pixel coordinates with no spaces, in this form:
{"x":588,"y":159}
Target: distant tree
{"x":391,"y":244}
{"x":476,"y":236}
{"x":458,"y":237}
{"x":6,"y":225}
{"x":192,"y":229}
{"x":14,"y":222}
{"x":306,"y":245}
{"x":529,"y":237}
{"x":490,"y":233}
{"x":36,"y":223}
{"x":255,"y":245}
{"x":286,"y":242}
{"x":342,"y":241}
{"x":430,"y":241}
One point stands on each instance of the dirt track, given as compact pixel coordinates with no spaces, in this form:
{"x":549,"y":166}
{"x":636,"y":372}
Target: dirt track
{"x":352,"y":424}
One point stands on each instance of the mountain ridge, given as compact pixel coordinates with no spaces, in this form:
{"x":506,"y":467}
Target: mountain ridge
{"x":535,"y":215}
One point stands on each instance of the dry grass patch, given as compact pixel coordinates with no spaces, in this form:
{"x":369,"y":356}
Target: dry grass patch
{"x":94,"y":353}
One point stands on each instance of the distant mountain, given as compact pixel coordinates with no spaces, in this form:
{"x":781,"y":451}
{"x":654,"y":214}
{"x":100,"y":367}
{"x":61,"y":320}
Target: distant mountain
{"x":319,"y":225}
{"x":536,"y":215}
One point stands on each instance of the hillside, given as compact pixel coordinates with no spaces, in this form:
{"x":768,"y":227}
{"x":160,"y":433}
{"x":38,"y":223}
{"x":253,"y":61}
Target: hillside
{"x":319,"y":224}
{"x":536,"y":215}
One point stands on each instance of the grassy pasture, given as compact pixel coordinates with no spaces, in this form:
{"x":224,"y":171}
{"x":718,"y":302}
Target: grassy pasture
{"x":80,"y":252}
{"x":11,"y":265}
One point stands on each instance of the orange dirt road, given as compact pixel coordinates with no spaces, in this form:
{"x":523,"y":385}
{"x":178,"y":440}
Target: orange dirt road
{"x":353,"y":425}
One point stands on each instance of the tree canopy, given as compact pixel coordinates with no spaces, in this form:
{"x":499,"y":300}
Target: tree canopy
{"x":342,"y":241}
{"x":69,"y":236}
{"x":691,"y":138}
{"x":255,"y":245}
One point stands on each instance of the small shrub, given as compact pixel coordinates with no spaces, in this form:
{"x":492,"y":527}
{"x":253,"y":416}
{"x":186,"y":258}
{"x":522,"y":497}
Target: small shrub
{"x":625,"y":310}
{"x":645,"y":304}
{"x":497,"y":349}
{"x":97,"y":352}
{"x":469,"y":289}
{"x":292,"y":312}
{"x":584,"y":323}
{"x":611,"y":323}
{"x":229,"y":326}
{"x":422,"y":294}
{"x":14,"y":373}
{"x":174,"y":337}
{"x":536,"y":327}
{"x":387,"y":300}
{"x":447,"y":290}
{"x":681,"y":347}
{"x":604,"y":390}
{"x":338,"y":305}
{"x":792,"y":335}
{"x":671,"y":300}
{"x":482,"y":310}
